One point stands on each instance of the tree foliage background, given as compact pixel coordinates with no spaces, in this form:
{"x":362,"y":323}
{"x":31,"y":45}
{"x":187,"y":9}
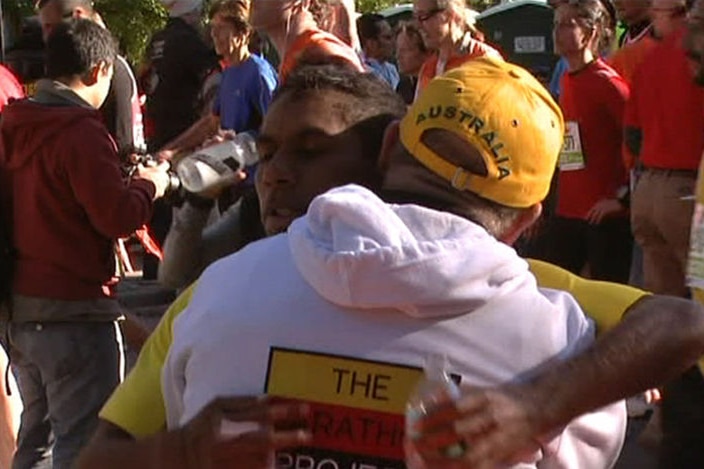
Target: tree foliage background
{"x":134,"y":21}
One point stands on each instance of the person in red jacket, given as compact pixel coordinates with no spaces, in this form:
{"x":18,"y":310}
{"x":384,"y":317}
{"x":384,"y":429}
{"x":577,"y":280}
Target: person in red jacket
{"x":65,"y":201}
{"x":591,"y":227}
{"x":10,"y":87}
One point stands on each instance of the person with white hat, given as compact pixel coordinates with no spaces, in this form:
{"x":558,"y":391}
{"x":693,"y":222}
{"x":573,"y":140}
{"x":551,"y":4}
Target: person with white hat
{"x":180,"y":8}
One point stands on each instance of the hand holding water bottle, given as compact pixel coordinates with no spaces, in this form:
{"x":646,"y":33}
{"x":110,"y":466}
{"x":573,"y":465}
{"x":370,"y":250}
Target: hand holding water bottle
{"x":496,"y":427}
{"x":435,"y":391}
{"x":208,"y":171}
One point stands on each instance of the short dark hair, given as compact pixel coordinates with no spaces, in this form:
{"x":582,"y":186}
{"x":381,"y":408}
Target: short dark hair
{"x":76,"y":46}
{"x":235,"y":12}
{"x":371,"y":105}
{"x":67,"y":6}
{"x":368,"y":26}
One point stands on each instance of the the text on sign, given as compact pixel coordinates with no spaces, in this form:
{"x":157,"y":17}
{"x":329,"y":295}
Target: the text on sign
{"x":350,"y":382}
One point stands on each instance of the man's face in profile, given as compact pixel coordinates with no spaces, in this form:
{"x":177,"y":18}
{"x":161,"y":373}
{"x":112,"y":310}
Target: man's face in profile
{"x":51,"y":15}
{"x":306,"y":147}
{"x":632,"y":11}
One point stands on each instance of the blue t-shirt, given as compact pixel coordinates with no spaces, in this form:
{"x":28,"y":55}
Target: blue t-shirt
{"x":245,"y":94}
{"x":385,"y":70}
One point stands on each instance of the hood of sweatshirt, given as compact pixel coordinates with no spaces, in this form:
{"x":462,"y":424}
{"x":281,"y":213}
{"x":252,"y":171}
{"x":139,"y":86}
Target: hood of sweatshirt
{"x":357,"y":251}
{"x":24,"y":130}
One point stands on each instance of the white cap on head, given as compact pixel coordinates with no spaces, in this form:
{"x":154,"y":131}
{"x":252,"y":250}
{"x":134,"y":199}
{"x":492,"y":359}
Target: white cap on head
{"x":178,"y":8}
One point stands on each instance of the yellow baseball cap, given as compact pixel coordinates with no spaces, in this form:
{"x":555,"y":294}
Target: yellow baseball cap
{"x":506,"y":114}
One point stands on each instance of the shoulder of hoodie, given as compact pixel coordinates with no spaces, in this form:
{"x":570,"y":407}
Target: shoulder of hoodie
{"x":247,"y":272}
{"x":562,"y":301}
{"x":233,"y":270}
{"x":86,"y":127}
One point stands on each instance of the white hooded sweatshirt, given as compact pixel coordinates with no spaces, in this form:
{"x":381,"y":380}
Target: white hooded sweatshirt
{"x":337,"y":310}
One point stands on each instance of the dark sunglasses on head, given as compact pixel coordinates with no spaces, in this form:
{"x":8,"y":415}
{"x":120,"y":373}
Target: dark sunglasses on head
{"x":423,"y":17}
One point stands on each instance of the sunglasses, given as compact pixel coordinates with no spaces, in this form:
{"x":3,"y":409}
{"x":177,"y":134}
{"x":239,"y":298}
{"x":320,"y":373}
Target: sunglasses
{"x":423,"y":17}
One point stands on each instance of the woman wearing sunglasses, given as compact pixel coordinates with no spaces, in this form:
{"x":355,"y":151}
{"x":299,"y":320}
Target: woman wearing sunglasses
{"x":448,"y":28}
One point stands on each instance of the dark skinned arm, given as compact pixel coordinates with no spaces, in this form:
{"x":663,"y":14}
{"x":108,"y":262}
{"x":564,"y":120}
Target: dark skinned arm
{"x":201,"y":443}
{"x":658,"y":339}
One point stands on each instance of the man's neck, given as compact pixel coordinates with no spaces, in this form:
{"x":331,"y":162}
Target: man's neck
{"x":452,"y":46}
{"x":636,"y":28}
{"x":283,"y":36}
{"x":374,"y":57}
{"x":191,"y":19}
{"x":446,"y":49}
{"x":238,"y":56}
{"x":66,"y":86}
{"x":579,"y":60}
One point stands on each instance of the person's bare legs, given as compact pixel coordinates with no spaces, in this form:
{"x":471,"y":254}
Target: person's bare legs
{"x":10,"y":409}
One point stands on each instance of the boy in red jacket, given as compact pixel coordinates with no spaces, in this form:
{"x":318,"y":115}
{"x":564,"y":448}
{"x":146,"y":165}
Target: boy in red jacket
{"x":65,"y":201}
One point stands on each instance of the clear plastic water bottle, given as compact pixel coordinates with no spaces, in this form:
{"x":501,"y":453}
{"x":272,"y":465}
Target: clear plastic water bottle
{"x":436,"y":388}
{"x":213,"y":167}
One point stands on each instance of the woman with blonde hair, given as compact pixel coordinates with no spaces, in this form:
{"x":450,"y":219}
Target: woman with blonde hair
{"x":448,"y":27}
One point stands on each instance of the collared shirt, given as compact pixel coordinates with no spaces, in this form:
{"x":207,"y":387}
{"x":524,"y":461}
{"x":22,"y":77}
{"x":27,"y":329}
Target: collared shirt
{"x":385,"y":70}
{"x":635,"y":33}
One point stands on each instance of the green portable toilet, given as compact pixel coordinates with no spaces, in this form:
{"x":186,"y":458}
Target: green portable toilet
{"x":522,"y":31}
{"x":398,"y":13}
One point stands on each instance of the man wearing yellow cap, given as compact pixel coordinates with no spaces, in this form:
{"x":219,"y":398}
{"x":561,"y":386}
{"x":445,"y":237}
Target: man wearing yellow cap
{"x":640,"y":353}
{"x":345,"y":309}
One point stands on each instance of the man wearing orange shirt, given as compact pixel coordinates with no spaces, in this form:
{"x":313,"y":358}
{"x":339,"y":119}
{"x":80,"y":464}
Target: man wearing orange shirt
{"x":666,"y":16}
{"x":664,"y":118}
{"x":297,"y":37}
{"x":635,"y":16}
{"x":626,"y":60}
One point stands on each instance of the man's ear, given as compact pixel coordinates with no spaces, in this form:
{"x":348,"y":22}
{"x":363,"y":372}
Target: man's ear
{"x":593,"y":39}
{"x":387,"y":145}
{"x":100,"y":70}
{"x":81,"y":13}
{"x":522,"y":223}
{"x":91,"y":77}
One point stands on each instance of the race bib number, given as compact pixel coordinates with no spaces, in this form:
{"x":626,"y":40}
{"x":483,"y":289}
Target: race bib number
{"x":695,"y":262}
{"x":572,"y":156}
{"x":357,"y":408}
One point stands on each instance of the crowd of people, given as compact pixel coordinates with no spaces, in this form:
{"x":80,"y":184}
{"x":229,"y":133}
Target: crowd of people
{"x":415,"y":196}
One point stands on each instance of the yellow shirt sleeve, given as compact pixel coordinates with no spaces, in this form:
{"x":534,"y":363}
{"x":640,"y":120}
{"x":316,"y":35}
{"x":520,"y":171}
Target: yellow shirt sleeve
{"x":604,"y":302}
{"x":697,"y":293}
{"x":137,"y":405}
